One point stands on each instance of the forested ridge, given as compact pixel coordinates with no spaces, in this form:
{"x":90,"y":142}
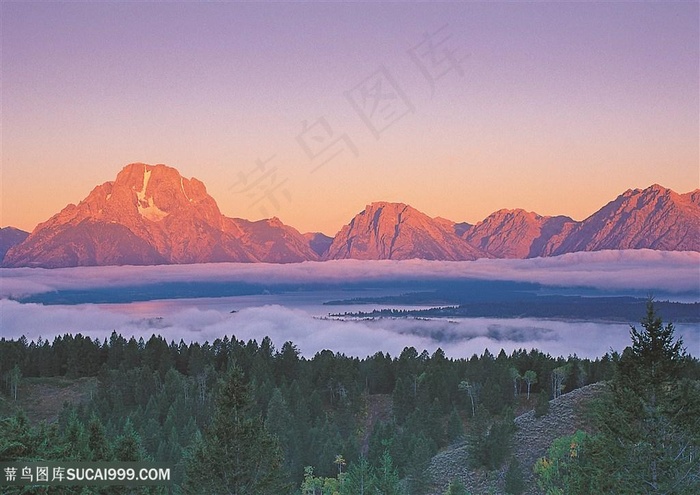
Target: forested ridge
{"x":250,"y":418}
{"x":563,"y":307}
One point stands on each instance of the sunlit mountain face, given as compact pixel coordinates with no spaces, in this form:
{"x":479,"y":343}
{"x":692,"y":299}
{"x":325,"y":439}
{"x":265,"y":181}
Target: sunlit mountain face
{"x":151,"y":214}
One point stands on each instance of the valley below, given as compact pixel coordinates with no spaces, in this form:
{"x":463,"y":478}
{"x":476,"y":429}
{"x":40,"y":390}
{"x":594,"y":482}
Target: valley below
{"x":572,"y":304}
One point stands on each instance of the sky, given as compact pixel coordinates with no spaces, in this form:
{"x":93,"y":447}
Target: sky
{"x":310,"y":111}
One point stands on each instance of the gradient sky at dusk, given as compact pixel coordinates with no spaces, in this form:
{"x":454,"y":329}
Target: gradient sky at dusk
{"x":555,"y":107}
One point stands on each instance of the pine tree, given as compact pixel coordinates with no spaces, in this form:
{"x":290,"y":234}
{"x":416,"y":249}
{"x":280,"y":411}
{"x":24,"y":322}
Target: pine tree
{"x":128,"y":446}
{"x":236,"y":454}
{"x":489,"y":440}
{"x":514,"y":484}
{"x":455,"y":427}
{"x":278,"y":423}
{"x":360,"y":479}
{"x":542,"y":404}
{"x":456,"y":487}
{"x":387,"y":477}
{"x":97,"y":442}
{"x":657,"y":359}
{"x":421,"y":452}
{"x":15,"y":438}
{"x":74,"y":439}
{"x":649,"y":422}
{"x":403,"y":400}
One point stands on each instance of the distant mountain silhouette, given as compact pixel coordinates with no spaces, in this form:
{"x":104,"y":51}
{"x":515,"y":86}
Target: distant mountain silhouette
{"x":9,"y":236}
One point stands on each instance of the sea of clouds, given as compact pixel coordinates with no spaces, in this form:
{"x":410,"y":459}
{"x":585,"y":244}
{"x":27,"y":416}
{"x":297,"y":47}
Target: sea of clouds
{"x":458,"y":337}
{"x":644,"y":269}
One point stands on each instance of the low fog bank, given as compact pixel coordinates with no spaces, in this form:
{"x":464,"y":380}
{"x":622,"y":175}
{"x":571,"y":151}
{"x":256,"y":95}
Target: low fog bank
{"x":643,"y":269}
{"x":458,"y":338}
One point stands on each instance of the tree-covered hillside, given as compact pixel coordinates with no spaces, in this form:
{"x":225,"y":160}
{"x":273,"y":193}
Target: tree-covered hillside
{"x":247,"y":417}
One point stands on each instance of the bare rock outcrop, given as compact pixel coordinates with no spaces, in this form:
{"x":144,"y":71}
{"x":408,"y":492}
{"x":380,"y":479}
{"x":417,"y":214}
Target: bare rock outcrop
{"x":533,"y":437}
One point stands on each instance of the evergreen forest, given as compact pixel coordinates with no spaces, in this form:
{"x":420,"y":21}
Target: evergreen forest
{"x":257,"y":417}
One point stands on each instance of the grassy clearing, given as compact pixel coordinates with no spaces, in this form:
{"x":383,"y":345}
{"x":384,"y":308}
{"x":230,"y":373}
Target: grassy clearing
{"x":42,"y":398}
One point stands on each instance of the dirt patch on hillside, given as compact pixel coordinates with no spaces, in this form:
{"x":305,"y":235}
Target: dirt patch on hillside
{"x":43,"y":398}
{"x":378,"y":407}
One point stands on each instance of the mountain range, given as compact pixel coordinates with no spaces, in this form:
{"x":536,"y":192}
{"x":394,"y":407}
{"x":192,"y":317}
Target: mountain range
{"x":150,"y":214}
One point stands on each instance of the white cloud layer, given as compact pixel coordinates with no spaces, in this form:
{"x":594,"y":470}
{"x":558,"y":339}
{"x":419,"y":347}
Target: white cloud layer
{"x":641,"y":270}
{"x":458,"y":338}
{"x":634,"y":269}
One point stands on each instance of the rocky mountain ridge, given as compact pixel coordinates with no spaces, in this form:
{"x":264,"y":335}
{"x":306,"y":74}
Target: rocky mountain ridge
{"x":397,"y":231}
{"x":150,"y":214}
{"x":10,"y":236}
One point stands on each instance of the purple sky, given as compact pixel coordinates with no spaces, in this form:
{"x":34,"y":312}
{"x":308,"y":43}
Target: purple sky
{"x":558,"y":108}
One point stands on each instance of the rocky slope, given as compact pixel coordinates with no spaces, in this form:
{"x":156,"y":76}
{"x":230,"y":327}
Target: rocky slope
{"x":272,"y":241}
{"x":319,"y":242}
{"x":10,"y":236}
{"x":152,"y":215}
{"x":654,"y":218}
{"x":395,"y":231}
{"x":533,"y":436}
{"x":515,"y":233}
